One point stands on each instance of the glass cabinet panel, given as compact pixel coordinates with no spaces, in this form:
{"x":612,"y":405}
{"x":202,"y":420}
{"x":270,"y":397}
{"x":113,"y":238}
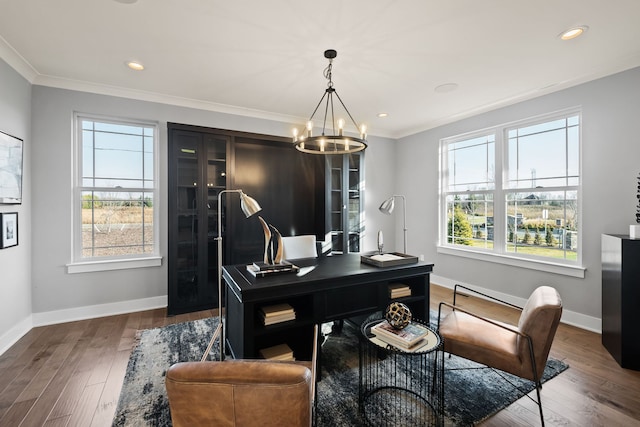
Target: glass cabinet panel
{"x":345,"y":201}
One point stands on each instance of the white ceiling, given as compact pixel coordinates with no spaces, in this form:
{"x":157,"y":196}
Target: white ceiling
{"x":265,"y":58}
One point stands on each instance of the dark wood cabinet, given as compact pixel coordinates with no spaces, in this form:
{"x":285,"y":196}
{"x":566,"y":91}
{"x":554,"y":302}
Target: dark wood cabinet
{"x":621,"y":299}
{"x":197,"y":173}
{"x":288,"y":185}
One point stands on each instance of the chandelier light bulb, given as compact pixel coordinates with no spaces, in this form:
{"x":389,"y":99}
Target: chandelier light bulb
{"x":363,"y":131}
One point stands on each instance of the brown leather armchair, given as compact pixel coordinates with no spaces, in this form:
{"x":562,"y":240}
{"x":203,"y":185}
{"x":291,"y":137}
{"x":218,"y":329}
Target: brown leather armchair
{"x":520,"y":349}
{"x":239,"y":393}
{"x":244,"y":393}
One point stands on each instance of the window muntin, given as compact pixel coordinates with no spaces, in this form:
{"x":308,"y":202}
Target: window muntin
{"x":533,"y":212}
{"x":116,"y":192}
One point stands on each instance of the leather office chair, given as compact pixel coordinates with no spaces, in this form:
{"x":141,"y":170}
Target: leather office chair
{"x":521,"y":349}
{"x":243,"y":393}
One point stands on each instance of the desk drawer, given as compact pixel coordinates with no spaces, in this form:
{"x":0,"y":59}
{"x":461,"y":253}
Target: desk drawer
{"x":344,"y":302}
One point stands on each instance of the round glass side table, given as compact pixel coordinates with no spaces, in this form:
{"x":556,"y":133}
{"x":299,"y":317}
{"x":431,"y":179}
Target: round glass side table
{"x":400,"y":387}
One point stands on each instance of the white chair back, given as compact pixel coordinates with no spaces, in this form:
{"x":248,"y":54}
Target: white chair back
{"x":296,"y":247}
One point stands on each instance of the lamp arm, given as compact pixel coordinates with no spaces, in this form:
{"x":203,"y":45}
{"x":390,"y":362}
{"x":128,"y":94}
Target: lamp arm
{"x":404,"y":218}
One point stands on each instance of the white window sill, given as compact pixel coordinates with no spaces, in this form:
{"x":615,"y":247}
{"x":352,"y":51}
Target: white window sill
{"x":549,"y":267}
{"x":107,"y":265}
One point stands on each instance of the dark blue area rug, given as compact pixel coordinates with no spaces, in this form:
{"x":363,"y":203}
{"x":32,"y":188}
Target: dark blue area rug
{"x":471,"y":395}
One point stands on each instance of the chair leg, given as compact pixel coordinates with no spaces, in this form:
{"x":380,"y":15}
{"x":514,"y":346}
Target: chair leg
{"x":538,"y":387}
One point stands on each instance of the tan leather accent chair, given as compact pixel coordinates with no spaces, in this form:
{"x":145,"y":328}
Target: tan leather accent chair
{"x":243,"y":393}
{"x":521,"y":349}
{"x":239,"y":393}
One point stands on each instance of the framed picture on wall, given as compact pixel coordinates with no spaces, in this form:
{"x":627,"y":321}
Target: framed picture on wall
{"x":9,"y":235}
{"x":10,"y":169}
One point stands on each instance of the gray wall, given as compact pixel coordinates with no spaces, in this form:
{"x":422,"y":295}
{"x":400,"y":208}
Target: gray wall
{"x":610,"y":165}
{"x":15,"y":262}
{"x":53,"y":288}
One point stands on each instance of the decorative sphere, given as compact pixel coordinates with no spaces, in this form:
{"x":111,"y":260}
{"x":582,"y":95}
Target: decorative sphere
{"x":398,"y":315}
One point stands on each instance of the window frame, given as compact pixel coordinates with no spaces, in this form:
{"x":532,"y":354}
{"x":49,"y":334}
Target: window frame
{"x":499,"y":253}
{"x":80,"y":264}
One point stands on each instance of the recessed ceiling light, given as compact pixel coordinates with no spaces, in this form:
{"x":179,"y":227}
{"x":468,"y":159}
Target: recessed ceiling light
{"x":447,"y":87}
{"x":573,"y":32}
{"x":126,"y":1}
{"x":135,"y":65}
{"x":381,"y":115}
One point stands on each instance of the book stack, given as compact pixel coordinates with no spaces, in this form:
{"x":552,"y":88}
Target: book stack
{"x":277,"y":313}
{"x":408,"y":337}
{"x":280,"y":352}
{"x":262,"y":269}
{"x":399,"y":290}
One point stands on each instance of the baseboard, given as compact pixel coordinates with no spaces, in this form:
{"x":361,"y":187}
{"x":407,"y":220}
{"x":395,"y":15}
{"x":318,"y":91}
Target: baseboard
{"x":12,"y":336}
{"x":100,"y":310}
{"x":573,"y":318}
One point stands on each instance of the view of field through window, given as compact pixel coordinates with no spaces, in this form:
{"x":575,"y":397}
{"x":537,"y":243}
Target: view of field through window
{"x":117,"y":192}
{"x":538,"y":195}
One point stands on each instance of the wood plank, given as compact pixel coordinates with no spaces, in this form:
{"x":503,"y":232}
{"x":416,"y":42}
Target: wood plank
{"x":111,"y":393}
{"x":84,"y":412}
{"x":16,"y":413}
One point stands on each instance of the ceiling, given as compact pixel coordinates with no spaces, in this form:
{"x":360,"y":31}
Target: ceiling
{"x":265,"y":58}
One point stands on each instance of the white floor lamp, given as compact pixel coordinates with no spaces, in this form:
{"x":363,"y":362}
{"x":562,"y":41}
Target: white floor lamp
{"x":249,"y":207}
{"x":387,"y":207}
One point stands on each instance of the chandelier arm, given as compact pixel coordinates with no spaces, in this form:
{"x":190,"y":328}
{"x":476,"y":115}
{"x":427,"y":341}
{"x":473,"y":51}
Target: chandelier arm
{"x":347,"y":110}
{"x":317,"y":106}
{"x":326,"y":111}
{"x":333,"y":118}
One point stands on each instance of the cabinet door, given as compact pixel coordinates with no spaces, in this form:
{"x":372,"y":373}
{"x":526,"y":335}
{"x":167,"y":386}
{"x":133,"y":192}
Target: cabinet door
{"x":215,"y":147}
{"x":344,"y":201}
{"x":197,"y":173}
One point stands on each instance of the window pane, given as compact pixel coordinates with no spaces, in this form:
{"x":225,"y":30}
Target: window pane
{"x":471,"y":164}
{"x":543,"y":155}
{"x":118,"y":223}
{"x":543,"y":224}
{"x":470,"y":220}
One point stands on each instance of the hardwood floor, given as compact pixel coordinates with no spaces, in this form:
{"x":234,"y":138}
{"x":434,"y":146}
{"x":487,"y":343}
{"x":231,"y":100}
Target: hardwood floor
{"x":71,"y":374}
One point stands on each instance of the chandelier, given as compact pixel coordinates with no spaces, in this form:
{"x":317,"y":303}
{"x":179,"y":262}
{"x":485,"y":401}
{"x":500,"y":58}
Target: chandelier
{"x":337,"y":142}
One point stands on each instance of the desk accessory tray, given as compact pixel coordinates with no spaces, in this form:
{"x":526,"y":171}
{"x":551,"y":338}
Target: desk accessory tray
{"x":388,"y":259}
{"x":256,"y":271}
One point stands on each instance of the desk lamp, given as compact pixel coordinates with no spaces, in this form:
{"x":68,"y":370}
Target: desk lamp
{"x":387,"y":207}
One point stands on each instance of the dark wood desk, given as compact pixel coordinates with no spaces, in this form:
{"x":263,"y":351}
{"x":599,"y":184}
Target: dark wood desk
{"x":327,"y":288}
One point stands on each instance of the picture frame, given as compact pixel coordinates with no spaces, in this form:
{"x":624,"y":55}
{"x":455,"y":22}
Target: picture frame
{"x":11,"y":161}
{"x":9,"y":234}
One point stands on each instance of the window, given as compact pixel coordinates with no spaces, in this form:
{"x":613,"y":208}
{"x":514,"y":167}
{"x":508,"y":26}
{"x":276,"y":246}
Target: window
{"x":514,"y":190}
{"x":115,"y":198}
